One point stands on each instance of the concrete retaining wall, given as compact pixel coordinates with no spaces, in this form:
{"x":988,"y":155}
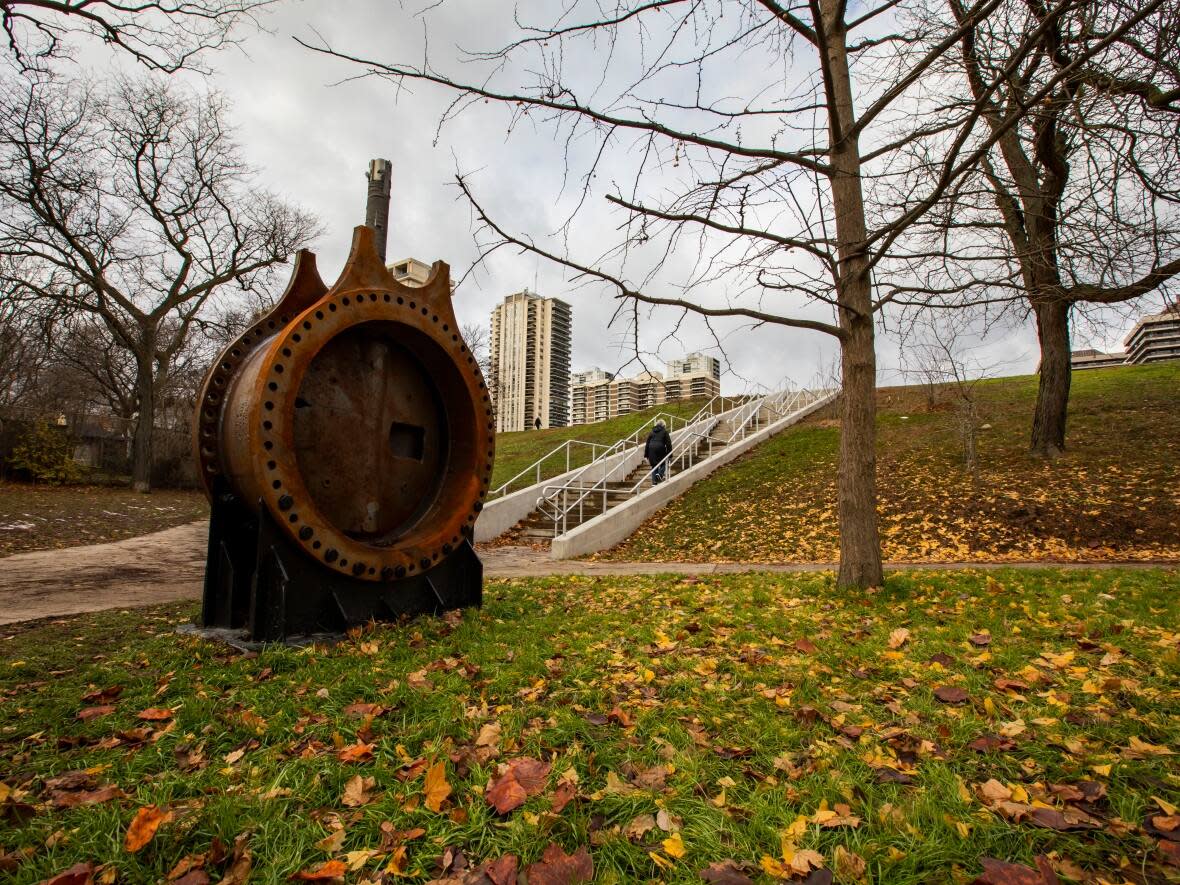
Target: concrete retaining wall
{"x":500,"y":515}
{"x":617,"y":524}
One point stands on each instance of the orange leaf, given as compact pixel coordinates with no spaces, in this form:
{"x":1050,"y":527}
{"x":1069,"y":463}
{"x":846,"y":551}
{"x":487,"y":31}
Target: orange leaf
{"x":332,"y":869}
{"x":358,"y":752}
{"x":143,"y":827}
{"x":436,"y":787}
{"x":155,"y":714}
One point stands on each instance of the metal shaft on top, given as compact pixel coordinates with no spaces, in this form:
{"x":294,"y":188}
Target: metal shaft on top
{"x":377,"y":208}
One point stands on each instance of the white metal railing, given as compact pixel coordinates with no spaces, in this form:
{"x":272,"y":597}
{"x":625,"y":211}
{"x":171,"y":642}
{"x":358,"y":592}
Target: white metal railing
{"x":599,"y":452}
{"x":560,"y":502}
{"x":555,"y":500}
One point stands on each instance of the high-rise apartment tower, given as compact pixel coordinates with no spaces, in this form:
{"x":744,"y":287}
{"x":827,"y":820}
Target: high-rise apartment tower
{"x":530,"y":361}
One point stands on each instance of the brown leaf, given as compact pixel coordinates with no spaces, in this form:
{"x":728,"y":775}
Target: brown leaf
{"x":102,"y":695}
{"x":988,"y":742}
{"x":356,"y":791}
{"x":155,"y":714}
{"x":332,"y":869}
{"x":241,"y":863}
{"x":186,"y":865}
{"x":502,"y":871}
{"x":361,"y":710}
{"x":558,"y":868}
{"x":898,"y":637}
{"x":950,"y":694}
{"x":95,"y":712}
{"x":980,"y":640}
{"x":435,"y":787}
{"x":72,"y":780}
{"x":505,"y":794}
{"x":1171,"y":851}
{"x":1071,"y":819}
{"x":806,"y":646}
{"x":143,"y":827}
{"x":358,"y":752}
{"x":653,"y":778}
{"x":639,"y":827}
{"x":519,"y":779}
{"x":193,"y":877}
{"x":79,"y":874}
{"x":562,"y":796}
{"x":63,"y":799}
{"x":725,"y":872}
{"x":1000,"y":872}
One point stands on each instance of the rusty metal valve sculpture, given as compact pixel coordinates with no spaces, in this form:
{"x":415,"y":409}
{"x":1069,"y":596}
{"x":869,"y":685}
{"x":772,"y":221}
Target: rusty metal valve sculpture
{"x":345,"y":442}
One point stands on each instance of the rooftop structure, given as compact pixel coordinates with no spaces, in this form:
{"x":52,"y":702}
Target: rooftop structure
{"x":1095,"y":359}
{"x":1155,"y":338}
{"x":597,"y":395}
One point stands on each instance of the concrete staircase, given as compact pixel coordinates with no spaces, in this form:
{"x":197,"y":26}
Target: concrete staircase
{"x":539,"y":527}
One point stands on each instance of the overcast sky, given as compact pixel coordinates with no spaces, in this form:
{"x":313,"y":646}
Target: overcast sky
{"x":310,"y":125}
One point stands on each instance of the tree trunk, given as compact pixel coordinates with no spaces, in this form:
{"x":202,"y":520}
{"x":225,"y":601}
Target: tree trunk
{"x":1048,"y":430}
{"x":141,"y":440}
{"x":860,"y":544}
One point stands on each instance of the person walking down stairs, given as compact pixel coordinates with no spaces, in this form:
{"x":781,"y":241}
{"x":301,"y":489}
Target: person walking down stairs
{"x":656,"y":450}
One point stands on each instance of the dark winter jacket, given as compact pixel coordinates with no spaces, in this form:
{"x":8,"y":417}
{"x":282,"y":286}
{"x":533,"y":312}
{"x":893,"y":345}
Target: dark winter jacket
{"x":658,"y":446}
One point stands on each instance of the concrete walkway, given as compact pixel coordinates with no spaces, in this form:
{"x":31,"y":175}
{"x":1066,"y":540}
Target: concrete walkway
{"x":168,"y":566}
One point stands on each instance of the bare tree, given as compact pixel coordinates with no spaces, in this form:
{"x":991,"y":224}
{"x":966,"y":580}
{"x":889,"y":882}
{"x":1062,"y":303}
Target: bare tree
{"x":1078,"y":204}
{"x":164,"y":35}
{"x":762,"y":176}
{"x":939,"y":352}
{"x":131,"y":206}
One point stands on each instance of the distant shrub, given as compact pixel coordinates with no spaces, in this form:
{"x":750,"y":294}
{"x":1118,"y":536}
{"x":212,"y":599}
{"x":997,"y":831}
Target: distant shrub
{"x":44,"y":453}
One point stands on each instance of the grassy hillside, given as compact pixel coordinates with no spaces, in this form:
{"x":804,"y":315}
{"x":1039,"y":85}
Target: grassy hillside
{"x":516,"y":451}
{"x":1114,"y":495}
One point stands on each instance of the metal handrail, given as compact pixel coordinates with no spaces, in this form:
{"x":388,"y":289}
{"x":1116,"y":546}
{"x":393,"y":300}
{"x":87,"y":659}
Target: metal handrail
{"x":782,"y":403}
{"x":609,"y":449}
{"x":536,"y":465}
{"x":560,"y":514}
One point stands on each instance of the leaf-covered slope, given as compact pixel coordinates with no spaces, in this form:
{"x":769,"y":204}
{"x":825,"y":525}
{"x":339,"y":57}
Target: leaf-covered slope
{"x":1114,"y":495}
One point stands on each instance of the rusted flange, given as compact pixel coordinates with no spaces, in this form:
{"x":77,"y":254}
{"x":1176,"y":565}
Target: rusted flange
{"x":357,"y":416}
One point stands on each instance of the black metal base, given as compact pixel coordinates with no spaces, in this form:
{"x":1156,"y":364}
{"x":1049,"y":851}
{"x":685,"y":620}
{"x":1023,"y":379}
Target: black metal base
{"x":258,"y":581}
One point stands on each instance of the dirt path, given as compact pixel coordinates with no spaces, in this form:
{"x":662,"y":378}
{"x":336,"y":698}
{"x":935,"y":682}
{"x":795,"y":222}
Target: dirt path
{"x":167,"y":566}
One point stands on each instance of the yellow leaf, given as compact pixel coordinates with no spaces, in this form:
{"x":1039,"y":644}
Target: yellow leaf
{"x":436,"y":788}
{"x":1101,"y":770}
{"x":772,"y":867}
{"x":1168,"y":807}
{"x":674,"y":845}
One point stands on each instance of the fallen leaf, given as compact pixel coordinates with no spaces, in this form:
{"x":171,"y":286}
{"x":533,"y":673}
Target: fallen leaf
{"x":639,"y":827}
{"x":725,"y":872}
{"x":358,"y":752}
{"x":674,"y":846}
{"x":1139,"y":749}
{"x":518,"y":780}
{"x":143,"y":827}
{"x":333,"y":842}
{"x":806,"y":646}
{"x":980,"y":640}
{"x":999,"y":872}
{"x":435,"y":787}
{"x":332,"y":869}
{"x":79,"y":874}
{"x":849,"y":864}
{"x":562,"y":796}
{"x":95,"y":712}
{"x":155,"y":714}
{"x":950,"y":694}
{"x":558,"y":868}
{"x":356,"y":791}
{"x":66,"y":799}
{"x":898,"y":637}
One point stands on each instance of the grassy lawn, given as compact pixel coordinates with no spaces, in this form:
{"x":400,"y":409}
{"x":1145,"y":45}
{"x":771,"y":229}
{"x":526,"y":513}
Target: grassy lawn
{"x":1114,"y":495}
{"x":651,"y":727}
{"x":516,"y":451}
{"x":42,"y":517}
